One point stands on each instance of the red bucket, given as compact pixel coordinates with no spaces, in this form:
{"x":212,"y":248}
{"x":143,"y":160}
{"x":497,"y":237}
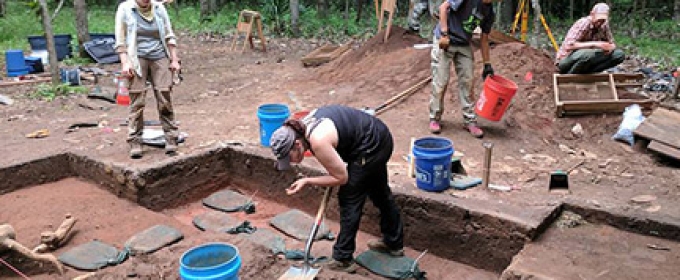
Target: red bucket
{"x":495,"y":98}
{"x":300,"y":115}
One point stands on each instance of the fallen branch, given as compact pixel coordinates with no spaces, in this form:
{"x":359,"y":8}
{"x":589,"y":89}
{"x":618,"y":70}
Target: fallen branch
{"x":7,"y":236}
{"x":51,"y":241}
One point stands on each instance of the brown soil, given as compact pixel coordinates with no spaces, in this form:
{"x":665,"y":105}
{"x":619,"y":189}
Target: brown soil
{"x":218,"y":101}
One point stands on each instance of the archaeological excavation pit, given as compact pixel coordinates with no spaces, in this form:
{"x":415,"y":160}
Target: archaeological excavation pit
{"x":464,"y":238}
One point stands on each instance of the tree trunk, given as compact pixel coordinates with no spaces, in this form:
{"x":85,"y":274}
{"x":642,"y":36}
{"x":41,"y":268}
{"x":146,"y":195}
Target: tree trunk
{"x":294,"y":17}
{"x":204,"y":10}
{"x":3,"y":8}
{"x":537,"y":23}
{"x":676,"y":14}
{"x":49,"y":36}
{"x":82,"y":26}
{"x":321,"y":8}
{"x":571,"y":10}
{"x":360,"y":9}
{"x":346,"y":16}
{"x":508,"y":12}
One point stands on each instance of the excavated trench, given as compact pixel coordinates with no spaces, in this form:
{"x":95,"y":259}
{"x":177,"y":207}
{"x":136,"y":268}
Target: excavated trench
{"x":482,"y":235}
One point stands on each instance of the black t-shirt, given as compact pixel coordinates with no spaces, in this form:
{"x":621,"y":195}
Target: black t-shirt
{"x":463,"y":21}
{"x":359,"y":134}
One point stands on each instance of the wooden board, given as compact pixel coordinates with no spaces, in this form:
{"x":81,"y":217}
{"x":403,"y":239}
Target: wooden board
{"x":662,"y":126}
{"x":597,"y":93}
{"x":324,"y":54}
{"x":25,"y":82}
{"x":664,"y":149}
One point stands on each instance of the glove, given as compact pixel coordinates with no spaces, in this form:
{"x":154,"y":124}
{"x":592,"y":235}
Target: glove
{"x":488,"y":70}
{"x":444,"y":42}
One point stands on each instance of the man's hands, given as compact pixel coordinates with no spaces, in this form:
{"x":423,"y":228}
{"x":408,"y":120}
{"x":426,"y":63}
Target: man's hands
{"x":607,"y":47}
{"x":297,"y":186}
{"x":444,"y":42}
{"x":488,"y":70}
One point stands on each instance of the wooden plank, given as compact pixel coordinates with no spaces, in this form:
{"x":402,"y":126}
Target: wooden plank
{"x":579,"y":78}
{"x":324,"y":54}
{"x":25,"y":82}
{"x":612,"y":87}
{"x":601,"y":106}
{"x":626,"y":77}
{"x":664,"y":149}
{"x":663,"y":126}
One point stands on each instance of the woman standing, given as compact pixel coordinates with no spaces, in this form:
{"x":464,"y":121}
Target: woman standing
{"x":147,"y":47}
{"x":354,"y":148}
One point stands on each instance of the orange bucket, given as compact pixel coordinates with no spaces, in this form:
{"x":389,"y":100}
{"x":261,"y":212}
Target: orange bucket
{"x":495,"y":98}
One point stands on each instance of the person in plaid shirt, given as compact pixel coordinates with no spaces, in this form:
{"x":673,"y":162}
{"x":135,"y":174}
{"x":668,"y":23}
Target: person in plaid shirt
{"x":589,"y":45}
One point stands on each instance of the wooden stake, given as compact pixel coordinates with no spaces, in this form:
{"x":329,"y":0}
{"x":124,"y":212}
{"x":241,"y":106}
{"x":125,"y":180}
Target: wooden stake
{"x":411,"y":160}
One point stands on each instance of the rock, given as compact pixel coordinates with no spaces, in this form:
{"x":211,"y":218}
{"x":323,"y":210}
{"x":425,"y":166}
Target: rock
{"x":6,"y":100}
{"x":653,"y":208}
{"x":566,"y":149}
{"x":577,"y":130}
{"x":642,"y":199}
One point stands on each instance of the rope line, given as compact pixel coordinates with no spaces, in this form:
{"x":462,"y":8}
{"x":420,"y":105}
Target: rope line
{"x":14,"y":269}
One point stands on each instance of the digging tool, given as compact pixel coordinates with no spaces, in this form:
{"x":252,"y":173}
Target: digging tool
{"x":383,"y":107}
{"x":559,"y":180}
{"x":307,"y":271}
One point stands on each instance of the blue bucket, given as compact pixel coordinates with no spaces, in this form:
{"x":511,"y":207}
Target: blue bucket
{"x":433,"y":163}
{"x":16,"y":66}
{"x":272,"y":116}
{"x":211,"y":261}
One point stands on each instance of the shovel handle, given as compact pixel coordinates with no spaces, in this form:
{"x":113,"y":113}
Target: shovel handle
{"x":317,"y":224}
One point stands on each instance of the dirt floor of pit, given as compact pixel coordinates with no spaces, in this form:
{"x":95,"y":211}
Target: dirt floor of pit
{"x":587,"y":251}
{"x":107,"y":218}
{"x":218,"y":100}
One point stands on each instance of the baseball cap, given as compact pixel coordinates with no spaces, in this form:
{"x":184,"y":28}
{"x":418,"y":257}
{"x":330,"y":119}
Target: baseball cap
{"x":282,"y":141}
{"x":600,"y":11}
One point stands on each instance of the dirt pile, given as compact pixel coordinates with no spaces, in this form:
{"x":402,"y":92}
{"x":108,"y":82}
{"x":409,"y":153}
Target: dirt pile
{"x":393,"y":63}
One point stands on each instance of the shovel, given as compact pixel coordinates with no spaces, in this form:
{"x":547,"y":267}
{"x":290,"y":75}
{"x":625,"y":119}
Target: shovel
{"x":307,"y":271}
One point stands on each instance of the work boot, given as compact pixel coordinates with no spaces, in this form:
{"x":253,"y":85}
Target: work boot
{"x":171,"y":146}
{"x":474,"y":130}
{"x":348,"y":266}
{"x":135,"y":150}
{"x":380,"y":246}
{"x":435,"y":127}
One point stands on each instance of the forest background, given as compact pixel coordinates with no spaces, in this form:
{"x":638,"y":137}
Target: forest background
{"x":647,"y":29}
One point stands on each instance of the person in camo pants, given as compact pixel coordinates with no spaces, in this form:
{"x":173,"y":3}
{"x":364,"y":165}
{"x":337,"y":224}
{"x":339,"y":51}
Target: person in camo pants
{"x":419,"y":9}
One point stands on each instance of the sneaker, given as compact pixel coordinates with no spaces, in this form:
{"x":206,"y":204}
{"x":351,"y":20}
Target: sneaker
{"x":475,"y":130}
{"x":435,"y":127}
{"x":380,"y":246}
{"x":348,"y":266}
{"x":135,"y":150}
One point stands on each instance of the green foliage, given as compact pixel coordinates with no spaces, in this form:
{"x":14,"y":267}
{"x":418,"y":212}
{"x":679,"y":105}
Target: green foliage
{"x":49,"y":92}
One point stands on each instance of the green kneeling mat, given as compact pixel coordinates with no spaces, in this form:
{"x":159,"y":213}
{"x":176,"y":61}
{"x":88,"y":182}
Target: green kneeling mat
{"x":152,"y":239}
{"x":389,"y":266}
{"x":462,"y":182}
{"x":229,"y":201}
{"x":299,"y":224}
{"x":92,"y":256}
{"x":222,"y":222}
